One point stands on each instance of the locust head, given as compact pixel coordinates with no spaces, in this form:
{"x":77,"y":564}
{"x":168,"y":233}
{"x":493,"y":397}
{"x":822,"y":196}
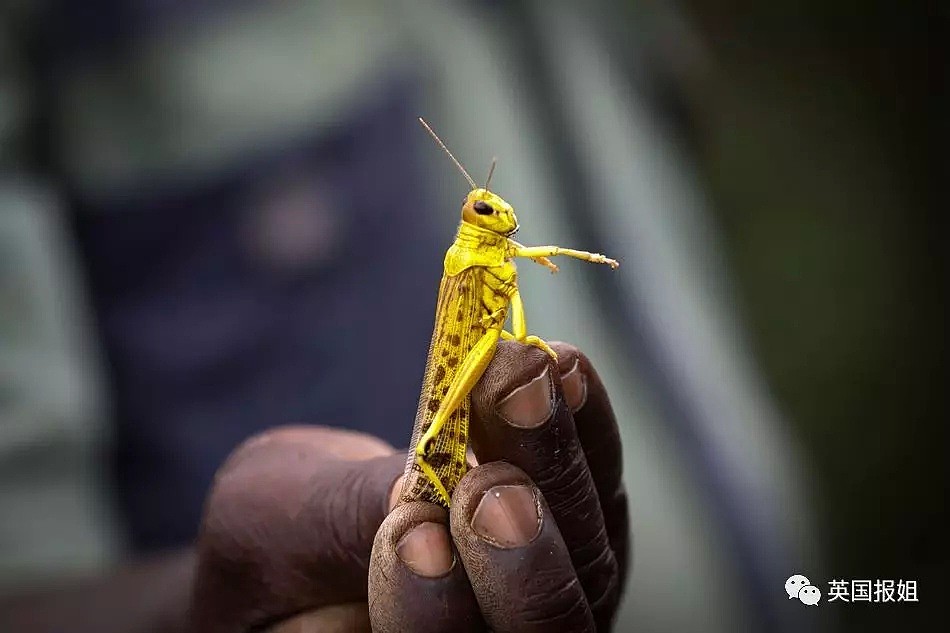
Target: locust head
{"x":481,"y":207}
{"x":489,"y":211}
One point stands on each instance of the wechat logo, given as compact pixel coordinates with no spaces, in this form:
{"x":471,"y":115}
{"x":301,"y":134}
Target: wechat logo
{"x":798,"y":586}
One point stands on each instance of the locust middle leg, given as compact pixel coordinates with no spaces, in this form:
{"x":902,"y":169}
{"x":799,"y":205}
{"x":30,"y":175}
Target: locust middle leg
{"x":520,"y":327}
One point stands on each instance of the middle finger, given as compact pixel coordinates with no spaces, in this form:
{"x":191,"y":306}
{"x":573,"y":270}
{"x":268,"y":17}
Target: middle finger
{"x":520,"y":416}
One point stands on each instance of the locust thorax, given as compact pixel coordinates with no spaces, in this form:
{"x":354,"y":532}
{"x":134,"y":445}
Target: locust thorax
{"x":489,"y":211}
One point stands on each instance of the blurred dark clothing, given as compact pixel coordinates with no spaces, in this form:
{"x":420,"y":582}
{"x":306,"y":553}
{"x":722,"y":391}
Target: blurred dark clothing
{"x":286,"y":280}
{"x":270,"y":296}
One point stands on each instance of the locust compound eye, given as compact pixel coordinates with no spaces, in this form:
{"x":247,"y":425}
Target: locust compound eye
{"x":483,"y":208}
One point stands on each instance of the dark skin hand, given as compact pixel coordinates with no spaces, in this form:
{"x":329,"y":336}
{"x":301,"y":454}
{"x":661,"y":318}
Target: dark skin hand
{"x":536,"y":539}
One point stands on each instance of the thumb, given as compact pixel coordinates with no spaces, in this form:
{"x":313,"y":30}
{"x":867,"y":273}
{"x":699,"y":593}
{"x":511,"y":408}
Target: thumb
{"x":289,"y":526}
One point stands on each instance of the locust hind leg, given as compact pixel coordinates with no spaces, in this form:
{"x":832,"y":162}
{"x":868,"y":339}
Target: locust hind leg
{"x":433,"y":478}
{"x":471,"y":369}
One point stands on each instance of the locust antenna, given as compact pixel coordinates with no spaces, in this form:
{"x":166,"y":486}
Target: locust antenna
{"x":454,"y":159}
{"x":491,"y":170}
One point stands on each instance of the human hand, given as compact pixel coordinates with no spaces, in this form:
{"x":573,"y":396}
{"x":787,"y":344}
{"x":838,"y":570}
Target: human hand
{"x":289,"y":525}
{"x":538,"y":536}
{"x":288,"y":528}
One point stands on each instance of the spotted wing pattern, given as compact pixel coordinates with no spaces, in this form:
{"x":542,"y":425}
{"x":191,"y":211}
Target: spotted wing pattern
{"x":457,"y":329}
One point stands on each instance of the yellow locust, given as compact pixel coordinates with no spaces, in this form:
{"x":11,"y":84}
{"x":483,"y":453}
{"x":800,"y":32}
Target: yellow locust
{"x":479,"y":287}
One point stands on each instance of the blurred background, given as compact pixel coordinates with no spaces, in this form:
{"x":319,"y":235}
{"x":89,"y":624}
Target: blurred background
{"x":220,"y":217}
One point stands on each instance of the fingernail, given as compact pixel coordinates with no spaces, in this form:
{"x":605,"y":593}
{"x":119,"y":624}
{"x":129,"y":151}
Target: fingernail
{"x":574,"y":386}
{"x":530,"y":405}
{"x":426,"y":550}
{"x":508,"y":516}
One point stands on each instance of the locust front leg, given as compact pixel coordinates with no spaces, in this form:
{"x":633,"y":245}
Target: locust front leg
{"x":535,"y":252}
{"x":541,"y":260}
{"x":471,"y":369}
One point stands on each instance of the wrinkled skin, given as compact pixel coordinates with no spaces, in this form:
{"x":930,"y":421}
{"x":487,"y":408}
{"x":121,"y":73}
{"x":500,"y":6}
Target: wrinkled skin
{"x":298,"y":534}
